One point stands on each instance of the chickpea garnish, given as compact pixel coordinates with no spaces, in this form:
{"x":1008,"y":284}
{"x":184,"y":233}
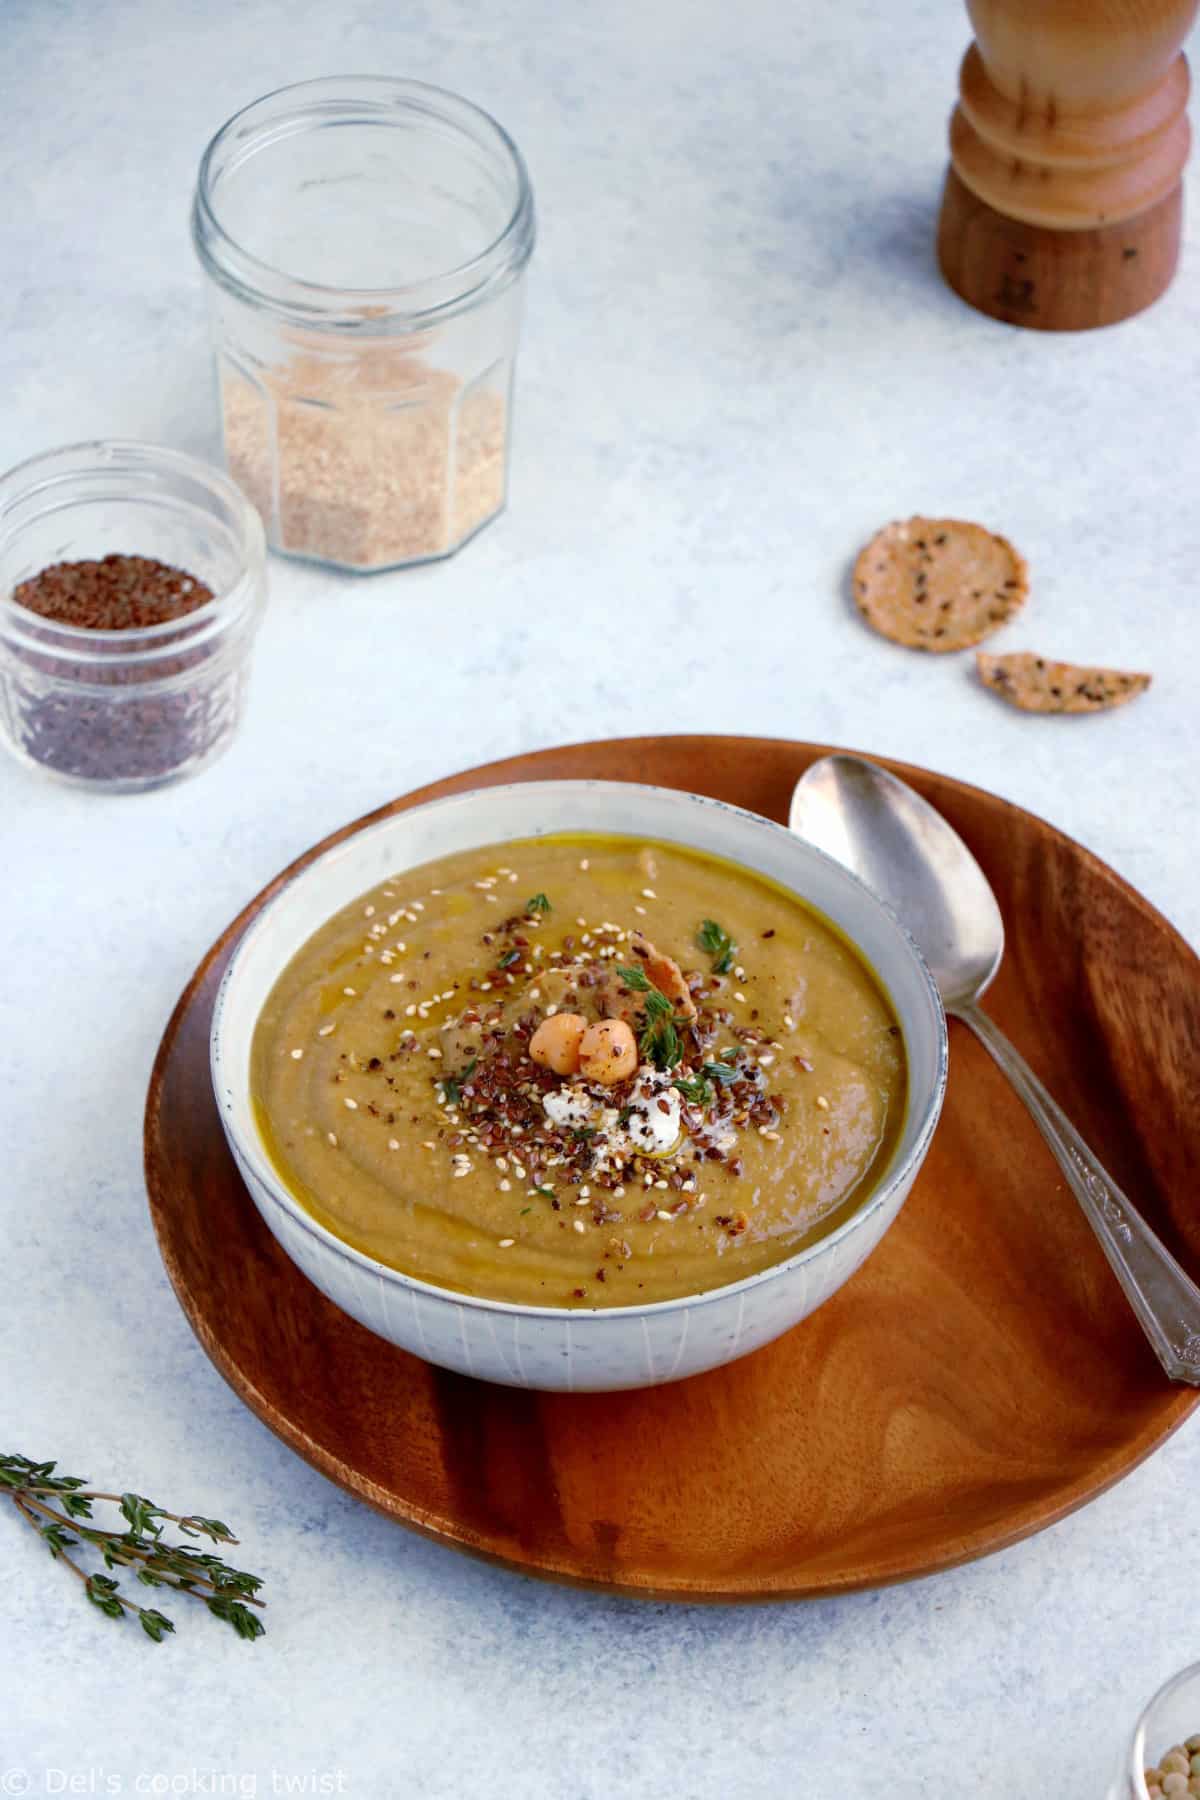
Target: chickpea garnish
{"x":556,"y":1043}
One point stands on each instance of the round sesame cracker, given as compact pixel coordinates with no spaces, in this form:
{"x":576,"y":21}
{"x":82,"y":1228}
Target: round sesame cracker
{"x":1036,"y":684}
{"x":938,"y":584}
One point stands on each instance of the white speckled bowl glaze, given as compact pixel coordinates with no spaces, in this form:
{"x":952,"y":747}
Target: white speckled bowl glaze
{"x":556,"y":1347}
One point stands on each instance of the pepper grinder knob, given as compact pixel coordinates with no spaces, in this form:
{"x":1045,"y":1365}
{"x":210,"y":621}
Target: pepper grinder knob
{"x":1063,"y":199}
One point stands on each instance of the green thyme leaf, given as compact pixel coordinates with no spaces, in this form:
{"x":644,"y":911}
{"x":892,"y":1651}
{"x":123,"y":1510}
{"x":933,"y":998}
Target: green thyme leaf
{"x":508,"y":959}
{"x":659,"y":1042}
{"x":635,"y":979}
{"x":720,"y":1071}
{"x":716,"y":941}
{"x":244,"y":1622}
{"x":537,"y":904}
{"x":452,"y":1089}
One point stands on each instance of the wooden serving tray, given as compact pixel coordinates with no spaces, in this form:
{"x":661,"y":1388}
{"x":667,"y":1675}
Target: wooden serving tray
{"x":980,"y":1377}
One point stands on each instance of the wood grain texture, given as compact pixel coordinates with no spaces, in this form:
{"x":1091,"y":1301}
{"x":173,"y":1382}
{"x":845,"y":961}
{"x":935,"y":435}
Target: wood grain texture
{"x":1050,"y":280}
{"x":979,"y":1378}
{"x":1067,"y":149}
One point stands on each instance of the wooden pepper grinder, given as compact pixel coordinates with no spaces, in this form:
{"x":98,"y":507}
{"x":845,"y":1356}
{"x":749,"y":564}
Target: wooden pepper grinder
{"x":1064,"y":194}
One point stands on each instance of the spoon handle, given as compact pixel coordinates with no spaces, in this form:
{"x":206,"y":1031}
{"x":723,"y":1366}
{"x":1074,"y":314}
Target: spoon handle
{"x":1165,"y":1299}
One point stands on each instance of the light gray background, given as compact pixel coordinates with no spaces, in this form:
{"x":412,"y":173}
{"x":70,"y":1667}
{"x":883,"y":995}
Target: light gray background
{"x":738,"y":360}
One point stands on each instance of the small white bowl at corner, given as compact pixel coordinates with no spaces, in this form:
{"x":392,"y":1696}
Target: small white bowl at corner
{"x":548,"y":1347}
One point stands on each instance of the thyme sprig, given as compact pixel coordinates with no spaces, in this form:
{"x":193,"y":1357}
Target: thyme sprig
{"x":716,"y":941}
{"x":55,"y":1506}
{"x":659,"y":1038}
{"x":699,"y":1088}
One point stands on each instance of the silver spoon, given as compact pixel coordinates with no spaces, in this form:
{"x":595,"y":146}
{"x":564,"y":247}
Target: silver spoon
{"x":901,"y":848}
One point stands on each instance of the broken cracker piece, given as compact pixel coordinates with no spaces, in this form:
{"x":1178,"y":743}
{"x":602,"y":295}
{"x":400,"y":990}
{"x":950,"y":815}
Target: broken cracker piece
{"x":1036,"y":684}
{"x":938,"y":584}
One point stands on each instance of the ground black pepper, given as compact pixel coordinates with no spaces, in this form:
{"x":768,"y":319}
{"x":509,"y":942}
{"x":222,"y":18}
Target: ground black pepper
{"x":80,"y":717}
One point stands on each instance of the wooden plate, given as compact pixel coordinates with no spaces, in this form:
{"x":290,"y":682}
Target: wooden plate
{"x":979,"y":1378}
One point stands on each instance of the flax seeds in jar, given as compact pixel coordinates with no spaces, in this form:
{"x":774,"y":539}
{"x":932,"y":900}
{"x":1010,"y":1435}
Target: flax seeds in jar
{"x":131,"y":586}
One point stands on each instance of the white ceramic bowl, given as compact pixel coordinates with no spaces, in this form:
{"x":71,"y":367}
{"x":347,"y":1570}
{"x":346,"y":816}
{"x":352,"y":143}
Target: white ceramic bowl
{"x":547,"y":1346}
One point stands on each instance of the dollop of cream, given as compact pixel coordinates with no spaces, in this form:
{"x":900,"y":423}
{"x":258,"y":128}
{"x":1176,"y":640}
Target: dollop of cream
{"x":568,"y":1106}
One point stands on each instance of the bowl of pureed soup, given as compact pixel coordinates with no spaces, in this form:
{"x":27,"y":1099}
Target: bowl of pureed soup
{"x":577,"y":1085}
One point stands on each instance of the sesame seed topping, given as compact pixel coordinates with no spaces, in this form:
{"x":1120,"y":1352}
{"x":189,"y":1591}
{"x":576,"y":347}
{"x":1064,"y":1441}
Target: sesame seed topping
{"x":618,"y":1193}
{"x":789,"y":1021}
{"x":738,"y":995}
{"x":349,"y":1104}
{"x":506,"y":1243}
{"x":434,"y":1053}
{"x":640,"y":909}
{"x":649,"y":894}
{"x":296,"y":1055}
{"x":584,"y":865}
{"x":662,"y":1214}
{"x":325,"y":1031}
{"x":410,"y":1009}
{"x":351,"y":991}
{"x":579,"y":1225}
{"x":823,"y":1103}
{"x":506,"y":1187}
{"x":393,"y":1143}
{"x":332,"y":1137}
{"x":429,"y":1144}
{"x":368,"y":912}
{"x":396,"y":979}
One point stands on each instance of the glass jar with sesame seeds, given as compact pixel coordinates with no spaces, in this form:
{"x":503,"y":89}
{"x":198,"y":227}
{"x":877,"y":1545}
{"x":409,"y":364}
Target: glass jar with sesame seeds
{"x":365,"y":243}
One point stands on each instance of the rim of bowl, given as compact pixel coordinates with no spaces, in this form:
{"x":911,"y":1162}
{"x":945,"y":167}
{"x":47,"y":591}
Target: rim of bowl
{"x":255,"y":278}
{"x":874,"y":1201}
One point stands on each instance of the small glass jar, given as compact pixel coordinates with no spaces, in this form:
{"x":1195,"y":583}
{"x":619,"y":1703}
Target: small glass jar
{"x":365,"y":242}
{"x":126,"y":709}
{"x":1170,"y":1718}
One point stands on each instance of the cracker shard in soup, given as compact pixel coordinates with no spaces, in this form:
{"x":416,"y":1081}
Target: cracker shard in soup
{"x":938,"y":584}
{"x":522,"y":1072}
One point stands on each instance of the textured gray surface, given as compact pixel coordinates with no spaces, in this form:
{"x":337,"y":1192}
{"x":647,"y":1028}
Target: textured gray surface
{"x":738,"y":360}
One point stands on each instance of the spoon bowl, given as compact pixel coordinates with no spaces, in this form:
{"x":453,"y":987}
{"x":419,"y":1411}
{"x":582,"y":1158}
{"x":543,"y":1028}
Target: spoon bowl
{"x":894,"y":841}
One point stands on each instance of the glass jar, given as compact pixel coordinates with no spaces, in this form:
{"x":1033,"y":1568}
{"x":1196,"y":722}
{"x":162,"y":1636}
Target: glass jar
{"x":1170,"y":1719}
{"x":365,"y":242}
{"x":126,"y":709}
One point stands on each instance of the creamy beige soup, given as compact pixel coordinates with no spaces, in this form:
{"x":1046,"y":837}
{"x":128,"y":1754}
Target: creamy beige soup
{"x":578,"y":1071}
